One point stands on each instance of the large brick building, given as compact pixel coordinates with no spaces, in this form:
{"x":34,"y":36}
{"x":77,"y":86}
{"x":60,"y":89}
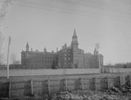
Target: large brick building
{"x":67,"y":57}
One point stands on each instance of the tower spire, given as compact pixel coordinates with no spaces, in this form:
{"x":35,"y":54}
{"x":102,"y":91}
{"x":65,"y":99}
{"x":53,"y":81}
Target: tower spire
{"x":74,"y":42}
{"x":74,"y":34}
{"x":27,"y":46}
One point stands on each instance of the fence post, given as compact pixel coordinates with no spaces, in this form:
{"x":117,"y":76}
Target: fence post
{"x":97,"y":84}
{"x":92,"y":84}
{"x":81,"y":84}
{"x":9,"y":95}
{"x":65,"y":84}
{"x":48,"y":86}
{"x":31,"y":83}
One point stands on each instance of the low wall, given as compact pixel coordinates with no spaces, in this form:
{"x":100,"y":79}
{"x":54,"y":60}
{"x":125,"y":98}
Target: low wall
{"x":116,"y":70}
{"x":21,"y":86}
{"x":30,"y":72}
{"x":39,"y":82}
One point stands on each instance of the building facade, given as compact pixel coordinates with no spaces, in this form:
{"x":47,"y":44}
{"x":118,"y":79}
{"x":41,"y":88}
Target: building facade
{"x":67,"y":57}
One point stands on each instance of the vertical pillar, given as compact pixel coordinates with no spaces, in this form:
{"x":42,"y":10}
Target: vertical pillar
{"x":92,"y":85}
{"x":45,"y":87}
{"x":66,"y":84}
{"x":104,"y":84}
{"x":117,"y":81}
{"x":97,"y":84}
{"x":82,"y":85}
{"x":9,"y":89}
{"x":48,"y":86}
{"x":63,"y":85}
{"x":27,"y":88}
{"x":110,"y":82}
{"x":31,"y":83}
{"x":78,"y":84}
{"x":127,"y":81}
{"x":87,"y":84}
{"x":122,"y":79}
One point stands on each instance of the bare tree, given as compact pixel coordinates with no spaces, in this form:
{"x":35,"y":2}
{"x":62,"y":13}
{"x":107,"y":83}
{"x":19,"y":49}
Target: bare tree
{"x":1,"y":47}
{"x":4,"y":4}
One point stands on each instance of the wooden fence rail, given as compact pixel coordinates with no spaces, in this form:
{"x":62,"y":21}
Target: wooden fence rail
{"x":48,"y":86}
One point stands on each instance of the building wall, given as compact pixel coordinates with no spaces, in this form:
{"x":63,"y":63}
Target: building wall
{"x":93,"y":61}
{"x":38,"y":59}
{"x":78,"y":58}
{"x":67,"y":57}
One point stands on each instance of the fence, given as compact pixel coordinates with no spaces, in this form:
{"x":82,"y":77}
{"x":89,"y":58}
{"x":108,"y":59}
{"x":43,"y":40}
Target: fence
{"x":39,"y":88}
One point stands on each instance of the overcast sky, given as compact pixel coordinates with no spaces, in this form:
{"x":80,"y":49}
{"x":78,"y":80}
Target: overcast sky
{"x":50,"y":24}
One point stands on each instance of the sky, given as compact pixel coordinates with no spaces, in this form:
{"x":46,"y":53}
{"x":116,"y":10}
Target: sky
{"x":50,"y":24}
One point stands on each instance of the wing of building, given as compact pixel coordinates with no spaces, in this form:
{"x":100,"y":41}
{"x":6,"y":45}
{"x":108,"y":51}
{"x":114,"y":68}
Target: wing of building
{"x":67,"y":57}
